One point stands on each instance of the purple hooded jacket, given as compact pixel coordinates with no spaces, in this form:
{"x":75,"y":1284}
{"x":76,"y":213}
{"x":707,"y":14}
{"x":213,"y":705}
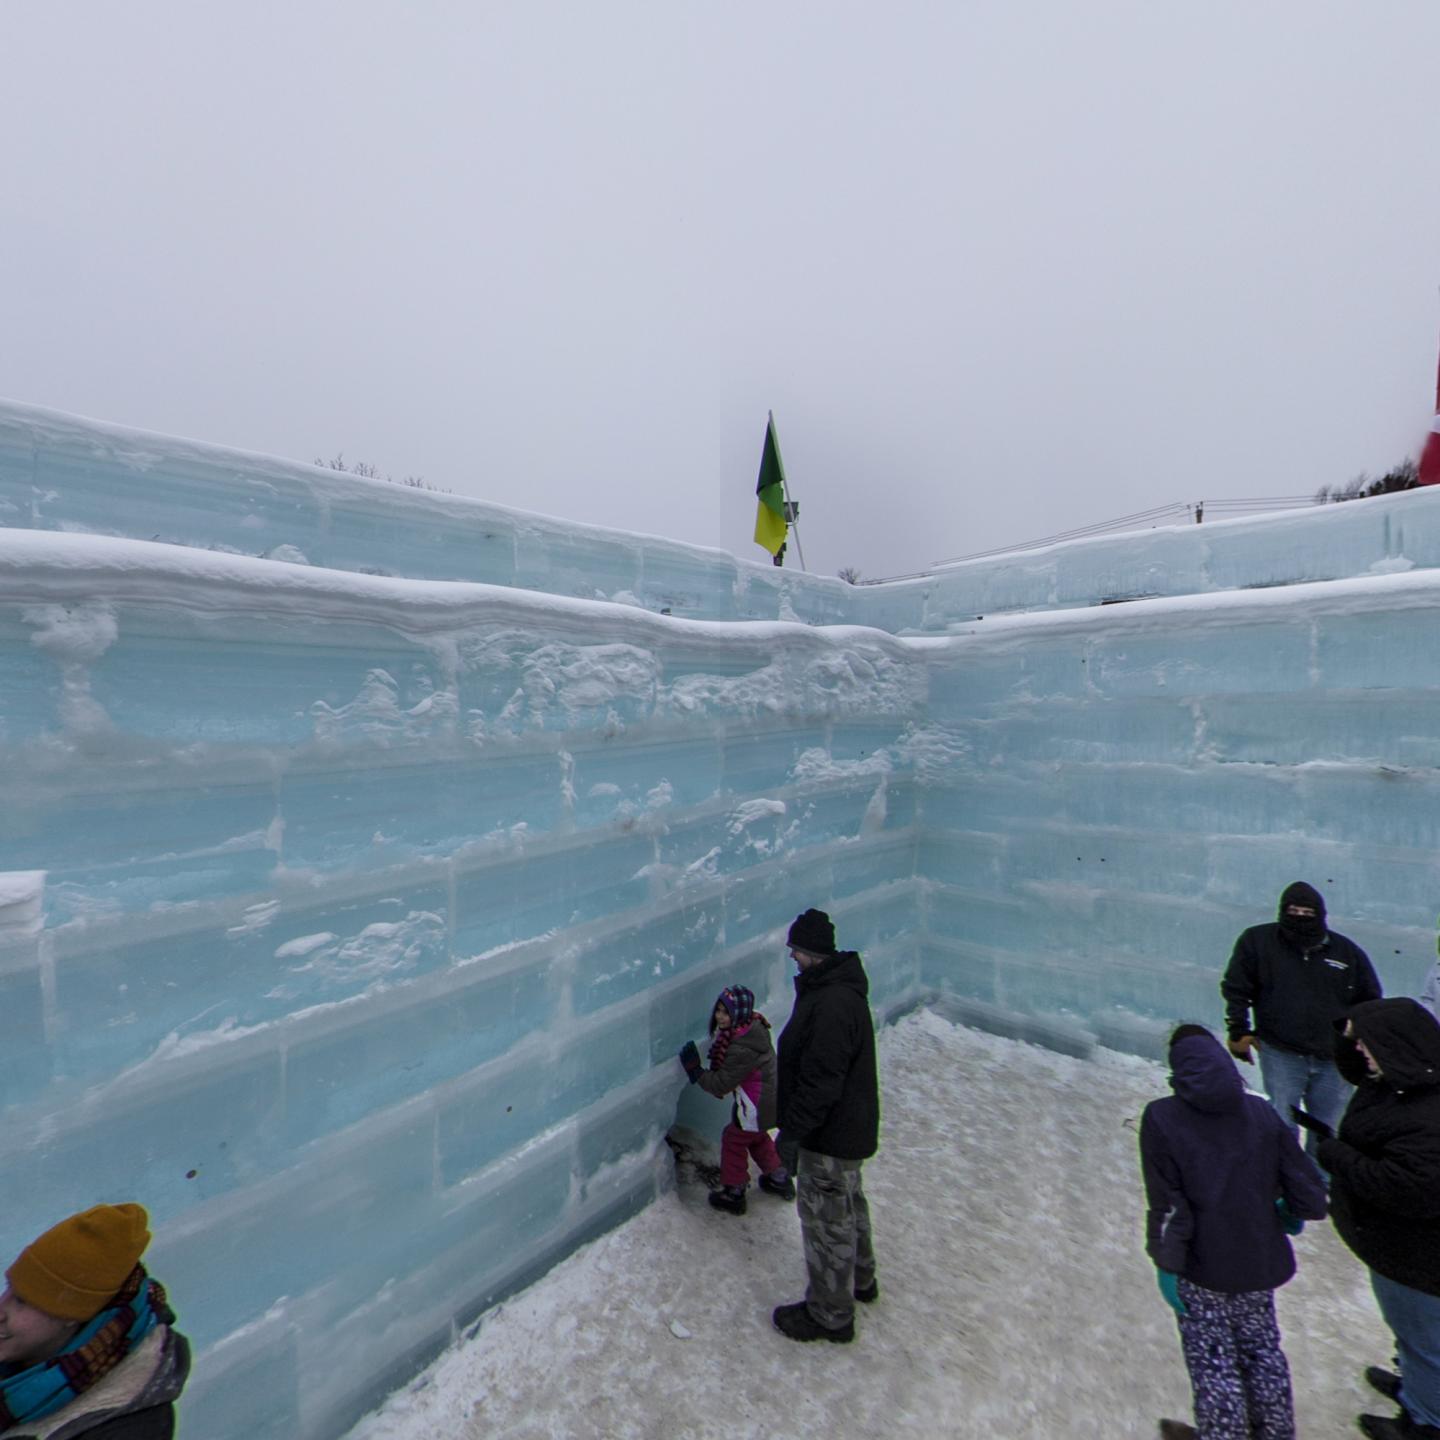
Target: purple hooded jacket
{"x":1215,"y":1159}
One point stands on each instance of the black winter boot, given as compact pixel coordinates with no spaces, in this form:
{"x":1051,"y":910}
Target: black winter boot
{"x":784,"y":1189}
{"x":1177,"y":1430}
{"x":1387,"y":1382}
{"x":729,"y":1197}
{"x":1402,"y":1427}
{"x":796,"y":1322}
{"x":866,"y":1293}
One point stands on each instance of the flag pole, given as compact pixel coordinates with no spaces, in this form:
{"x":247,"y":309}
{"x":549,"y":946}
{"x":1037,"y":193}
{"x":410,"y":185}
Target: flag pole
{"x":791,"y":509}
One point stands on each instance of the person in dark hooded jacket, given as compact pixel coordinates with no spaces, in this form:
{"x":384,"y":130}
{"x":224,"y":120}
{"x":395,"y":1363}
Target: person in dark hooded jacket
{"x":829,"y":1108}
{"x":1298,"y":977}
{"x":1385,"y":1196}
{"x":1226,"y":1184}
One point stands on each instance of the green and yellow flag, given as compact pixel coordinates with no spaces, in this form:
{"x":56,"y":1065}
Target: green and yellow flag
{"x":770,"y":527}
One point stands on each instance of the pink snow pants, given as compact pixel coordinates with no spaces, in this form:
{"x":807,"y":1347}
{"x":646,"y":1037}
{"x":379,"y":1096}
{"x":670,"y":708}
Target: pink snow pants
{"x":736,"y":1148}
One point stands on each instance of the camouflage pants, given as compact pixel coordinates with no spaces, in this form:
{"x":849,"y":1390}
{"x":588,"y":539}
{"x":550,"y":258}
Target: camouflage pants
{"x":835,"y":1225}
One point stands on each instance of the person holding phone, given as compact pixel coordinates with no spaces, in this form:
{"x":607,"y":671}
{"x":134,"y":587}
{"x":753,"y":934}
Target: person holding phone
{"x":1384,"y":1166}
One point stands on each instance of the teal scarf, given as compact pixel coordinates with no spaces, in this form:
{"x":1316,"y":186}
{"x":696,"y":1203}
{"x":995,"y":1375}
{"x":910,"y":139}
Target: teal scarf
{"x":100,"y":1345}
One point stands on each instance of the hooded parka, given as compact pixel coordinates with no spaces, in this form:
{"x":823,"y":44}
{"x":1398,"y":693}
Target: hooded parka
{"x":1215,"y":1159}
{"x":1385,"y":1162}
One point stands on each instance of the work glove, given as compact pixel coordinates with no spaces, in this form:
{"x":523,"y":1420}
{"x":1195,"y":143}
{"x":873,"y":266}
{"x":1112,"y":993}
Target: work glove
{"x":788,"y":1150}
{"x":690,"y":1059}
{"x":1307,"y":1121}
{"x":1290,"y":1222}
{"x":1170,"y":1289}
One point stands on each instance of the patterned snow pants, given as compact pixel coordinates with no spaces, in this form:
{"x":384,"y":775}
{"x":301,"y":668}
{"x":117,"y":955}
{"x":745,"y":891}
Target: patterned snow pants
{"x":1238,"y":1373}
{"x":835,"y":1226}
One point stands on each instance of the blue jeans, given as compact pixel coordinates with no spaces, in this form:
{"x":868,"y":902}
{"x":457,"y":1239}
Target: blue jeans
{"x":1415,"y":1319}
{"x":1290,"y":1078}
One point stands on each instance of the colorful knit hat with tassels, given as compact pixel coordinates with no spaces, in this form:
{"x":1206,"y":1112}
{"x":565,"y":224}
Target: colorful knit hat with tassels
{"x":739,"y":1003}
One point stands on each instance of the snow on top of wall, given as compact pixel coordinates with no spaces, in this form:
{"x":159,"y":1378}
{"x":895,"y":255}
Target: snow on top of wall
{"x":142,"y":451}
{"x":38,"y":566}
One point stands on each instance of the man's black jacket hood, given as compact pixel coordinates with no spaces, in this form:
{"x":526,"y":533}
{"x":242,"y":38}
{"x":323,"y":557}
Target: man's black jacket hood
{"x":1404,"y":1038}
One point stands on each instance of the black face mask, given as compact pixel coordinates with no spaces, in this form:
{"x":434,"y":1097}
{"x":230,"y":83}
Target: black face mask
{"x":1305,"y":928}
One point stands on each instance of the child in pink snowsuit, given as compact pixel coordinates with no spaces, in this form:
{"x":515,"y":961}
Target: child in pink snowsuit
{"x":742,"y":1067}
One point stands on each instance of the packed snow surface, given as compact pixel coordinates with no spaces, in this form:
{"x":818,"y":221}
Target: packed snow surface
{"x":1016,"y":1301}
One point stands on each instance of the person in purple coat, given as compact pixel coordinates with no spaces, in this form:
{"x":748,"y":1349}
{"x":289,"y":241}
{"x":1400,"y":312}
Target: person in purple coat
{"x":1226,"y":1185}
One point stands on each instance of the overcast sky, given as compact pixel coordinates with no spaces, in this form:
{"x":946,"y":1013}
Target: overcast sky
{"x":999,"y":268}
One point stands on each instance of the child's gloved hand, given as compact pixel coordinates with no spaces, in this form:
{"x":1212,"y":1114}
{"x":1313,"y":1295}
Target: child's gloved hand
{"x":690,"y":1059}
{"x":1170,"y":1289}
{"x":1290,"y":1222}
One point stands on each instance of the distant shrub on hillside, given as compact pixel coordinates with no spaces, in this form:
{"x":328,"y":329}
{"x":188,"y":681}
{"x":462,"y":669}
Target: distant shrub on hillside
{"x":1404,"y":476}
{"x":372,"y":472}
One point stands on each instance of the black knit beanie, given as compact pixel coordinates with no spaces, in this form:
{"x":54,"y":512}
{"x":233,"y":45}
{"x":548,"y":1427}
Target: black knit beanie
{"x":813,"y":931}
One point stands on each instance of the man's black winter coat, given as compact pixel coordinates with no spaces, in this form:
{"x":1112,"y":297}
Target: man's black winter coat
{"x":829,"y":1096}
{"x":1385,"y":1163}
{"x":1297,"y":993}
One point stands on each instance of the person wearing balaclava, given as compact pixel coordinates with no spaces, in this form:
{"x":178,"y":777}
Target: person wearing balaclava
{"x":1296,"y":977}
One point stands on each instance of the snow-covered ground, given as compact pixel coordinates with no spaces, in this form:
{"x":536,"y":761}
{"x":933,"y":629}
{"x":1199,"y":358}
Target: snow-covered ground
{"x":1016,"y":1300}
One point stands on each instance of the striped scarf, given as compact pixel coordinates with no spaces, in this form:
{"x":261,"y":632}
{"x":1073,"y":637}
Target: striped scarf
{"x":101,"y":1344}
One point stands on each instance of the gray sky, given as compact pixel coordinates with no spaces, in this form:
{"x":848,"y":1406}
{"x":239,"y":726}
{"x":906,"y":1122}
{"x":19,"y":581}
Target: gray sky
{"x":999,"y":268}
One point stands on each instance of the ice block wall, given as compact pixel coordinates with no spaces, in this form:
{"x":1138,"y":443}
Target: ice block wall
{"x":1130,"y":786}
{"x":59,"y":472}
{"x":62,"y":473}
{"x":351,"y":912}
{"x":352,"y":924}
{"x":1381,"y":536}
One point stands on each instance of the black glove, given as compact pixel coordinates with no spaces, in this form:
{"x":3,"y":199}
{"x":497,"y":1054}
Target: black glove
{"x":690,"y":1059}
{"x":1307,"y":1121}
{"x":788,"y":1150}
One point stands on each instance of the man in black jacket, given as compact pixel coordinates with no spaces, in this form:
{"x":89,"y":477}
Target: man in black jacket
{"x":829,"y":1109}
{"x":1299,"y":978}
{"x":1385,"y":1196}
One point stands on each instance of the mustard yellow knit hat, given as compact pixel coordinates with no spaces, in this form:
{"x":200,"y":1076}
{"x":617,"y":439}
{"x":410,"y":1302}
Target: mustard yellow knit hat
{"x":74,"y":1269}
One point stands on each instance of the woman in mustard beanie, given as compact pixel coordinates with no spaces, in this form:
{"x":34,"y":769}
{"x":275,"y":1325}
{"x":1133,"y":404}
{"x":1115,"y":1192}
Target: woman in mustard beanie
{"x":86,"y":1345}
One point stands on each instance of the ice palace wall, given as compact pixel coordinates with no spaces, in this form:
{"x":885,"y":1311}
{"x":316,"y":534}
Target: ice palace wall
{"x":351,"y":922}
{"x":59,"y":472}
